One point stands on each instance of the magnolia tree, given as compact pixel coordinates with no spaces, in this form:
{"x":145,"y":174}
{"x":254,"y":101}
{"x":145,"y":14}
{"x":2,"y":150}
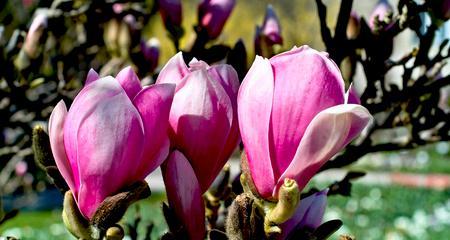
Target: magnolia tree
{"x":293,"y":112}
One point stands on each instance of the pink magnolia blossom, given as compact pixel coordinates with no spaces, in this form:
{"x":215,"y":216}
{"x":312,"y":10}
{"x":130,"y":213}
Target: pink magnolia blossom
{"x":114,"y":134}
{"x":184,"y":194}
{"x":213,"y":14}
{"x":203,"y":131}
{"x":171,"y":12}
{"x":309,"y":214}
{"x":203,"y":118}
{"x":293,"y":117}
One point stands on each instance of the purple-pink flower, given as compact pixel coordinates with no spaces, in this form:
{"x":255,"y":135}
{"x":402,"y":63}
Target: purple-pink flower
{"x":203,"y":131}
{"x":171,"y":12}
{"x":268,"y":34}
{"x":293,"y":117}
{"x":309,"y":214}
{"x":203,"y":118}
{"x":114,"y":134}
{"x":213,"y":14}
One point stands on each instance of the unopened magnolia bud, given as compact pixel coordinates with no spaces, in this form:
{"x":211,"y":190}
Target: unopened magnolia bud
{"x":115,"y":233}
{"x":354,"y":26}
{"x":171,"y":12}
{"x":288,"y":199}
{"x":34,"y":35}
{"x":41,"y":147}
{"x":111,"y":35}
{"x":244,"y":220}
{"x":150,"y":50}
{"x":213,"y":14}
{"x":73,"y":219}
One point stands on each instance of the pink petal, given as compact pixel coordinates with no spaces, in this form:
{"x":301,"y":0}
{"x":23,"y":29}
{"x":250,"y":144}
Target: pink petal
{"x":184,"y":194}
{"x":308,"y":214}
{"x":254,"y":108}
{"x":153,"y":104}
{"x":111,"y":132}
{"x":306,"y":82}
{"x":129,"y":82}
{"x":329,"y":132}
{"x":174,"y":71}
{"x":351,"y":96}
{"x":56,"y":134}
{"x":91,"y":77}
{"x":228,"y":78}
{"x":201,"y":112}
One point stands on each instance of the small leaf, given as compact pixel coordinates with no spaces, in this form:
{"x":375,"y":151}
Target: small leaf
{"x":327,"y":229}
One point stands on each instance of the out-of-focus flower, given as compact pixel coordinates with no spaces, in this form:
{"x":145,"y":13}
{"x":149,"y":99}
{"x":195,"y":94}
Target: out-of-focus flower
{"x":382,"y":13}
{"x":293,"y":117}
{"x":184,"y":194}
{"x":309,"y":214}
{"x":150,"y":50}
{"x":213,"y":14}
{"x":354,"y":25}
{"x":269,"y":34}
{"x":171,"y":12}
{"x":21,"y":168}
{"x":203,"y":118}
{"x":114,"y":134}
{"x":34,"y":35}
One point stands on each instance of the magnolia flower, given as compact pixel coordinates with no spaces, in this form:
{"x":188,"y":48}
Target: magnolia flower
{"x":294,"y":116}
{"x":269,"y":34}
{"x":114,"y":134}
{"x":354,"y":25}
{"x":34,"y":35}
{"x":213,"y":14}
{"x":203,"y":132}
{"x":150,"y":51}
{"x":171,"y":12}
{"x":203,"y":118}
{"x":309,"y":214}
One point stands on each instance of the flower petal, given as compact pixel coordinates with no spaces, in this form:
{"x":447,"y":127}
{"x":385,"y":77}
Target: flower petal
{"x":201,"y":111}
{"x":327,"y":134}
{"x":56,"y":134}
{"x":184,"y":194}
{"x":111,"y":132}
{"x":351,"y":96}
{"x":174,"y":71}
{"x":306,"y":83}
{"x":309,"y":214}
{"x":91,"y":77}
{"x":254,"y":108}
{"x":228,"y":78}
{"x":154,"y":103}
{"x":129,"y":82}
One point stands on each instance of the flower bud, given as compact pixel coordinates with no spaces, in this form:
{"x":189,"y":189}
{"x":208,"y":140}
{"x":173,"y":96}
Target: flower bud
{"x":34,"y":35}
{"x":171,"y":12}
{"x":213,"y":14}
{"x":354,"y":25}
{"x":269,"y":34}
{"x":150,"y":50}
